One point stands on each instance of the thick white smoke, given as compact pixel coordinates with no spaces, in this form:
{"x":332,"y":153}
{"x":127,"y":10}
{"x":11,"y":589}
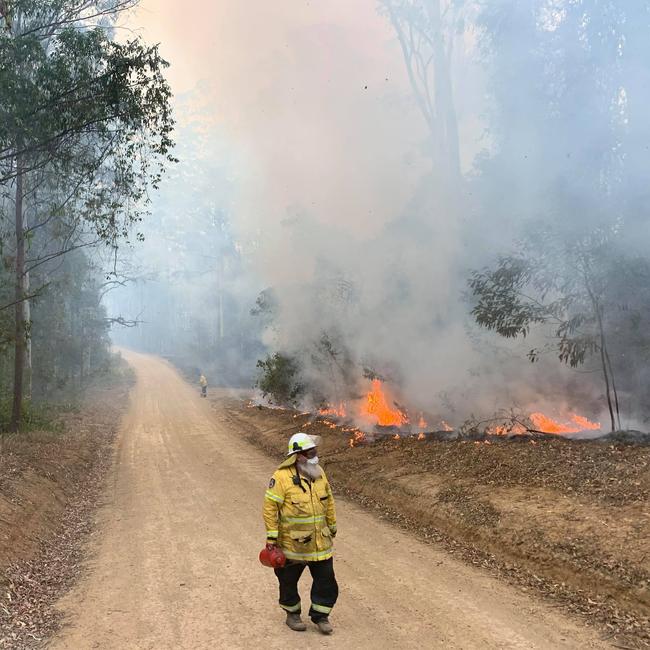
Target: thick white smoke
{"x":337,"y":207}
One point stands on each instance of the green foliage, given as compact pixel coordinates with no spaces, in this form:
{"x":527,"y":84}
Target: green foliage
{"x":500,"y":304}
{"x":35,"y":416}
{"x":337,"y":371}
{"x":372,"y":374}
{"x":589,"y":291}
{"x":85,"y":131}
{"x":279,"y":379}
{"x":551,"y":281}
{"x":69,"y":328}
{"x":331,"y":355}
{"x":88,"y":108}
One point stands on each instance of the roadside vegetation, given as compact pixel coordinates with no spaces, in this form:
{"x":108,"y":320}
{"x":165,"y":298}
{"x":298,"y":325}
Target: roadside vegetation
{"x":85,"y":132}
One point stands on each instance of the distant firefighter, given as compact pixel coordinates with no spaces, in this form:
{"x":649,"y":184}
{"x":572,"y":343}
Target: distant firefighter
{"x":204,"y":385}
{"x":300,"y":522}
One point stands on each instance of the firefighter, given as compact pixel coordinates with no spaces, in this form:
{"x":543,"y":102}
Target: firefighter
{"x":204,"y":385}
{"x":300,"y":518}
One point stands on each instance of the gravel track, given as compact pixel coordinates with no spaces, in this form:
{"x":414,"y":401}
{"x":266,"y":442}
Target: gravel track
{"x":174,"y":561}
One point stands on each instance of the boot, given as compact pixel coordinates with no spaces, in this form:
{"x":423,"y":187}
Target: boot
{"x":324,"y":625}
{"x":295,"y":622}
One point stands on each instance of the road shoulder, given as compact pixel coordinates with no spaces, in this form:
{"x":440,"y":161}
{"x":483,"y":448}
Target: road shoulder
{"x":51,"y":485}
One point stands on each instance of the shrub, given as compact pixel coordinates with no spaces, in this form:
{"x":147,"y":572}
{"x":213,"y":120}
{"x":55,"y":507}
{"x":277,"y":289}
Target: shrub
{"x":279,"y":379}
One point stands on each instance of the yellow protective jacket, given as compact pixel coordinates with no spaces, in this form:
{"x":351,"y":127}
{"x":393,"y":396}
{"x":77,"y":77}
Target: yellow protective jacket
{"x":301,"y":517}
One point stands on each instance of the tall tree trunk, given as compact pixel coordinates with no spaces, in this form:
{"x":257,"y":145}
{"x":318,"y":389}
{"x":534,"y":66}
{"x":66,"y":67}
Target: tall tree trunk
{"x":20,"y":321}
{"x":27,"y":320}
{"x":604,"y":357}
{"x":444,"y":93}
{"x":608,"y":373}
{"x":28,"y":317}
{"x":221,"y":323}
{"x":616,"y":403}
{"x":607,"y":388}
{"x":437,"y":106}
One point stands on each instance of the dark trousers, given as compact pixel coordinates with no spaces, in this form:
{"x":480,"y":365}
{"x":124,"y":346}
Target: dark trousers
{"x":324,"y":590}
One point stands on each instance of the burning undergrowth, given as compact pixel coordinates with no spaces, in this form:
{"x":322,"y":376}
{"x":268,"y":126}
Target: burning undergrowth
{"x":377,"y":416}
{"x":370,"y":405}
{"x":563,"y":516}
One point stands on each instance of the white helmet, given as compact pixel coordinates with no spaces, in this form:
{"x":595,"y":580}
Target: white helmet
{"x":301,"y":442}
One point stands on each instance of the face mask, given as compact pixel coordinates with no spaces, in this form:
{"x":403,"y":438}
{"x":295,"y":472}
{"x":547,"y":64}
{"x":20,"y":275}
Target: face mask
{"x":313,"y":461}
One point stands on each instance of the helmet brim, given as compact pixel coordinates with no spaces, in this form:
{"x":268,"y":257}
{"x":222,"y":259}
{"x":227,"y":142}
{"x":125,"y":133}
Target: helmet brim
{"x":315,"y":443}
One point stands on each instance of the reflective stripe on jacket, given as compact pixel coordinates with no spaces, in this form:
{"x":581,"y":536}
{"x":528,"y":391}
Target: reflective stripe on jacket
{"x":301,"y":519}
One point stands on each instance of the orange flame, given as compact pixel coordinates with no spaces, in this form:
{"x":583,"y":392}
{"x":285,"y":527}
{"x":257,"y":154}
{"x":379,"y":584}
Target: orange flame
{"x":338,"y":412}
{"x":548,"y":425}
{"x":504,"y":430}
{"x":422,"y":423}
{"x":421,"y":436}
{"x":397,"y":437}
{"x":573,"y":424}
{"x":358,"y":437}
{"x":445,"y":426}
{"x":377,"y":407}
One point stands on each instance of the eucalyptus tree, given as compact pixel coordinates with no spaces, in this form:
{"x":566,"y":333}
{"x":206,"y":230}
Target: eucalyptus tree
{"x":558,"y":283}
{"x":69,"y":326}
{"x":427,"y":31}
{"x":85,"y":123}
{"x":569,"y":136}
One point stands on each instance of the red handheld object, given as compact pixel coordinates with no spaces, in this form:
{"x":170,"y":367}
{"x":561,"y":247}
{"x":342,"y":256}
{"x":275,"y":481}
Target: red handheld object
{"x":272,"y":556}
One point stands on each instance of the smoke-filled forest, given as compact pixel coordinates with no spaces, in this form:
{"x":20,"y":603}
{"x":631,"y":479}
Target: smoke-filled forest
{"x":364,"y":279}
{"x":445,"y":197}
{"x":449,"y":197}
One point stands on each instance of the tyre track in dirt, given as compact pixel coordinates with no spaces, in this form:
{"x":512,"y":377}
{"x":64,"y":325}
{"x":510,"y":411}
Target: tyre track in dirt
{"x":173,"y":561}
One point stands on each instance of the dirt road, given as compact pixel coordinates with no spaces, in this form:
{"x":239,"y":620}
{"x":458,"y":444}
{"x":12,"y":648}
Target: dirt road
{"x":174,"y":558}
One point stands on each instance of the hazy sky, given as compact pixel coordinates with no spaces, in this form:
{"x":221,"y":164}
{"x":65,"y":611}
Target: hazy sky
{"x":313,"y":96}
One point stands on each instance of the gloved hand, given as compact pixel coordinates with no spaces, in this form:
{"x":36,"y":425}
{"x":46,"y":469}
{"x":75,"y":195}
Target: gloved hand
{"x":270,"y":543}
{"x":333,"y":533}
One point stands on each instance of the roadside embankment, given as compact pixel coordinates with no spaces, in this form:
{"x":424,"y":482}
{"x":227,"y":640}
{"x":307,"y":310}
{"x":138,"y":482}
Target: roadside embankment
{"x":50,"y":483}
{"x":569,"y":520}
